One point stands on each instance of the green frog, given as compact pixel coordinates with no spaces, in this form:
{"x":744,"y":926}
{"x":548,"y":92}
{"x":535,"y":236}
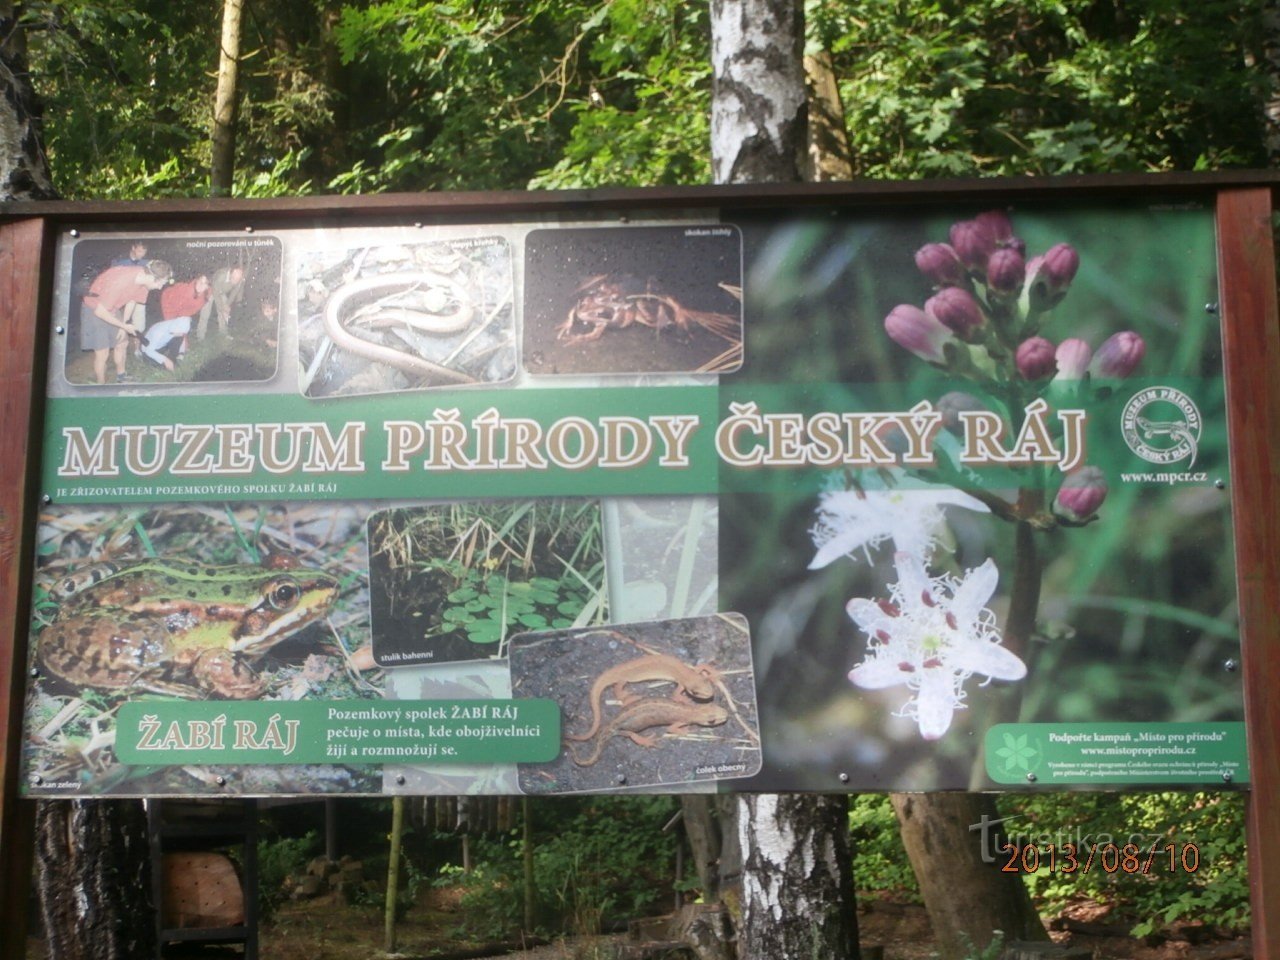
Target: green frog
{"x":180,"y":628}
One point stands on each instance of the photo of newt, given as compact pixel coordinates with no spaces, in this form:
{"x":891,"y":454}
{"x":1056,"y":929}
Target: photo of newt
{"x":392,"y":317}
{"x":643,"y":704}
{"x":633,"y":300}
{"x":455,"y":582}
{"x":162,"y":309}
{"x":182,"y":602}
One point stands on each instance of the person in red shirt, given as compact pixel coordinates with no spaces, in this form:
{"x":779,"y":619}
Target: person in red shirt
{"x":107,"y":313}
{"x":166,"y":341}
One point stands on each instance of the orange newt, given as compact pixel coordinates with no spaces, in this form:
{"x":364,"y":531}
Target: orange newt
{"x":653,"y":712}
{"x":694,"y":683}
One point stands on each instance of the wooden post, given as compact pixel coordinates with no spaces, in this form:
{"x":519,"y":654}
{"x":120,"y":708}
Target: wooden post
{"x":1251,"y":341}
{"x":22,"y":246}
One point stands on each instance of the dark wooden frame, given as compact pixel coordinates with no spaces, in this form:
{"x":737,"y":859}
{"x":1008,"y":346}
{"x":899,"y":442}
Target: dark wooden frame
{"x":1243,"y":202}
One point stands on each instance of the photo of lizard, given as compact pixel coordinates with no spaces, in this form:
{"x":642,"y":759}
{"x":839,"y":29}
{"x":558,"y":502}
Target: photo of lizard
{"x":643,"y":704}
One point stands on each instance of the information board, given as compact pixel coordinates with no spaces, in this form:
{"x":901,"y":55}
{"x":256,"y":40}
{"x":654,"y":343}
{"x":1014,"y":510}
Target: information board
{"x":727,"y":500}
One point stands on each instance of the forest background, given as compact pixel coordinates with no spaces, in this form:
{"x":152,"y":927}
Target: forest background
{"x":402,"y":95}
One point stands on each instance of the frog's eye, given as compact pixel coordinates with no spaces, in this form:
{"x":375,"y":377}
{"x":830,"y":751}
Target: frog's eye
{"x":283,"y":594}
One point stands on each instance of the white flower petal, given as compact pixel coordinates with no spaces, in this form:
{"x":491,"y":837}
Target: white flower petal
{"x":876,"y":674}
{"x":973,"y":593}
{"x":935,"y":703}
{"x":852,"y":535}
{"x":990,"y":660}
{"x":912,"y":579}
{"x":866,"y":614}
{"x":951,"y":497}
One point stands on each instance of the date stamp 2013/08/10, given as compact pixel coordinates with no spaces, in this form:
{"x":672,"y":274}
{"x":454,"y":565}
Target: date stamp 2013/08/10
{"x":1110,"y":858}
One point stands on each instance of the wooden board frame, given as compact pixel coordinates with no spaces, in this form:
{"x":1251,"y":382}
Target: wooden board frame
{"x":1244,"y":203}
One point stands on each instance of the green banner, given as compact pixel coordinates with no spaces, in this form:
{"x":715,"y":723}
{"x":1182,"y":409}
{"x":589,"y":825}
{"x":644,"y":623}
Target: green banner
{"x":1107,"y":753}
{"x":490,"y":443}
{"x":180,"y":732}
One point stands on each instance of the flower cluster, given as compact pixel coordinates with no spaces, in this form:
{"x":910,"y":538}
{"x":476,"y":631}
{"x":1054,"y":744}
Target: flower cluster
{"x":982,"y":321}
{"x":989,"y":303}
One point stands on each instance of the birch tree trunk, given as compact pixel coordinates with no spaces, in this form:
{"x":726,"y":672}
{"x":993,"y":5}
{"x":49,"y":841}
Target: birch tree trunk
{"x":24,"y":171}
{"x":797,"y":881}
{"x":223,"y":166}
{"x":758,"y":105}
{"x":797,"y":887}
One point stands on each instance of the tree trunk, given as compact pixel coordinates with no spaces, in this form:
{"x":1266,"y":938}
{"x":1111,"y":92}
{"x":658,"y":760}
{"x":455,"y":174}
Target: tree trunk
{"x":94,"y":866}
{"x":758,"y":107}
{"x":1271,"y":70}
{"x":94,"y":874}
{"x":830,"y":157}
{"x":797,"y":883}
{"x":393,"y":875}
{"x":967,"y":897}
{"x":223,"y":166}
{"x":797,"y":888}
{"x":24,"y":171}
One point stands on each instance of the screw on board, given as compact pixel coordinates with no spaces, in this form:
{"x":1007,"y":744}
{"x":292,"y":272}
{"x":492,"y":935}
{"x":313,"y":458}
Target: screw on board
{"x":59,"y":330}
{"x":417,"y":224}
{"x":1031,"y":778}
{"x":35,"y":673}
{"x":1226,"y":777}
{"x":248,"y":229}
{"x":74,"y":232}
{"x":46,"y":499}
{"x":620,"y":778}
{"x":221,"y":781}
{"x":1210,"y":308}
{"x":844,"y":778}
{"x":36,"y":780}
{"x":1229,"y":665}
{"x":400,"y":780}
{"x":1220,"y":484}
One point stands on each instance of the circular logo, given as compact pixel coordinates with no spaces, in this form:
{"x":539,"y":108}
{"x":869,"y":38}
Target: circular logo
{"x":1162,"y":425}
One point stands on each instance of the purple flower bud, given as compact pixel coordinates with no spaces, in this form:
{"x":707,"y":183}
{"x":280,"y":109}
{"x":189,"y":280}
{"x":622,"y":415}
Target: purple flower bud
{"x":940,"y":263}
{"x":973,"y":243}
{"x":1050,"y":274}
{"x":912,"y":329}
{"x":1006,"y":270}
{"x":957,"y":310}
{"x":1035,"y":359}
{"x":1119,"y":356}
{"x":1072,"y":359}
{"x":997,"y":225}
{"x":1081,"y":494}
{"x":951,"y":405}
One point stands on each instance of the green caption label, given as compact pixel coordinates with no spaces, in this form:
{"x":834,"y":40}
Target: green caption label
{"x":161,"y":733}
{"x":1097,"y":753}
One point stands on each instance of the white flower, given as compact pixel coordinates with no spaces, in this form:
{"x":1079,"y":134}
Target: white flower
{"x":849,"y":519}
{"x":932,"y":635}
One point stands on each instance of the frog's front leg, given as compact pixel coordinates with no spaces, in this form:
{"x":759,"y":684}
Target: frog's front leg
{"x":224,"y":674}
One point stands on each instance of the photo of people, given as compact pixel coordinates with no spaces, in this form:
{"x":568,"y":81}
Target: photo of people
{"x":173,"y":310}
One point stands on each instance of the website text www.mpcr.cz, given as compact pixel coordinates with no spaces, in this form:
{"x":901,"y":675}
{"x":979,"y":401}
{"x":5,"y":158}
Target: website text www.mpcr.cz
{"x":1164,"y":477}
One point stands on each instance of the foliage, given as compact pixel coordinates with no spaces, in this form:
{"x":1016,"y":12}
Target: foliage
{"x":281,"y":858}
{"x":1216,"y":891}
{"x":1047,"y":87}
{"x":594,"y":859}
{"x":880,"y":861}
{"x":480,"y":94}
